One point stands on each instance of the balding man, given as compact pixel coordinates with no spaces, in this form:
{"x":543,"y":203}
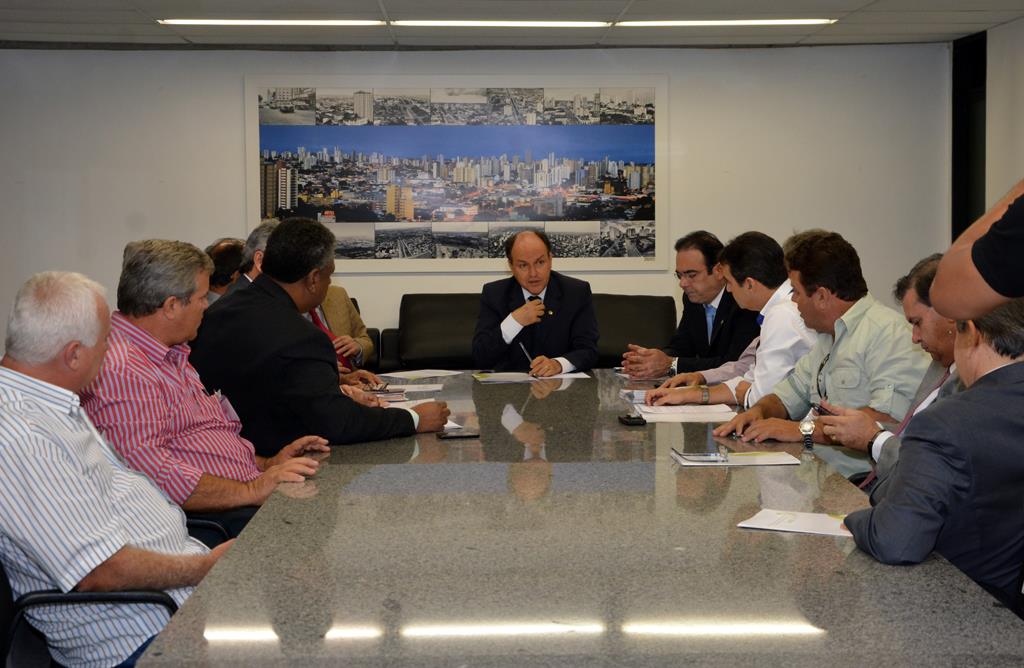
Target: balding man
{"x":72,"y":517}
{"x":538,"y":320}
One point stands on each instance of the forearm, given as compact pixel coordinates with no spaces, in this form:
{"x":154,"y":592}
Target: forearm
{"x":134,"y":568}
{"x":212,"y":493}
{"x":772,"y":407}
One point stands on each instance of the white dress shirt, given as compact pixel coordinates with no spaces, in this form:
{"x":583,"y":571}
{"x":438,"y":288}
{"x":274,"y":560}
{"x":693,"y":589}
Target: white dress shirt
{"x":510,"y":329}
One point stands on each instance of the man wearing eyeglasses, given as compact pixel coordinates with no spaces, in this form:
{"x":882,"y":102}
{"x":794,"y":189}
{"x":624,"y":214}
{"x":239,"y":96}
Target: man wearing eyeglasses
{"x":537,"y":320}
{"x":863,"y":356}
{"x":713,"y":330}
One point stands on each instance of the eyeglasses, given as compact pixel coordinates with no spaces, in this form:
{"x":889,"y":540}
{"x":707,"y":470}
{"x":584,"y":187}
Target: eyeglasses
{"x":818,"y":376}
{"x":689,"y":275}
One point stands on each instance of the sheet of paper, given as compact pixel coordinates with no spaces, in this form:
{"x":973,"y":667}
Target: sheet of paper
{"x":407,"y":404}
{"x":573,"y":374}
{"x":743,"y":459}
{"x":710,"y":413}
{"x":634,"y":396}
{"x":688,"y":408}
{"x":420,"y":374}
{"x":504,"y":377}
{"x":425,"y":387}
{"x":794,"y":522}
{"x":452,"y":424}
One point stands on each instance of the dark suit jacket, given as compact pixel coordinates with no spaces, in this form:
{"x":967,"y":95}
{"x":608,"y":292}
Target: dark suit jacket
{"x":958,"y":487}
{"x":241,"y":283}
{"x":280,"y":373}
{"x":733,"y":331}
{"x":569,"y":331}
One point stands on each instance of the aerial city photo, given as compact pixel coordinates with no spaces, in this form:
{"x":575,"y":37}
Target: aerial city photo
{"x":399,"y":173}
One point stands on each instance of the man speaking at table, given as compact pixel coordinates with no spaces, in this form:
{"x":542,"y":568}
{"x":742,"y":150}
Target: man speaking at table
{"x":537,"y":320}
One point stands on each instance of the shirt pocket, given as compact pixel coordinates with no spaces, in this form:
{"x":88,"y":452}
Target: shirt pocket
{"x":846,"y":378}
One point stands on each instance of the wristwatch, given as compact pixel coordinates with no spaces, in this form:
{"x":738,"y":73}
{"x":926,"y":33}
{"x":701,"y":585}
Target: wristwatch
{"x":807,"y":429}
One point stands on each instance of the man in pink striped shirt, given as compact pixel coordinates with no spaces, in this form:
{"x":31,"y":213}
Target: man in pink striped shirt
{"x":150,"y":405}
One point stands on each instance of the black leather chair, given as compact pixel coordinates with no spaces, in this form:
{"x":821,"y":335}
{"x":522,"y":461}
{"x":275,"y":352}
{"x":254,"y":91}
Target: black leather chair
{"x":645,"y":320}
{"x":21,"y":646}
{"x":434,"y":331}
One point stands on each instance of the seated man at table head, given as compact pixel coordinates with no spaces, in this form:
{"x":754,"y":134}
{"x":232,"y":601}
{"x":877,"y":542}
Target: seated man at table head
{"x":936,"y":336}
{"x":72,"y":517}
{"x":713,"y":329}
{"x":958,"y":486}
{"x":863,"y":357}
{"x":278,"y":368}
{"x":148,"y":401}
{"x":755,"y":274}
{"x":538,"y":320}
{"x":226,"y":254}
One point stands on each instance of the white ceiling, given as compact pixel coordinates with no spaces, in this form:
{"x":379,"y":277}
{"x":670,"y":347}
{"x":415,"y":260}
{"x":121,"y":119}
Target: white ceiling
{"x":133,"y":22}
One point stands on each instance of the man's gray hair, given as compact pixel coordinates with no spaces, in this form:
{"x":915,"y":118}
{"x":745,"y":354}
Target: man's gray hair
{"x":257,"y":241}
{"x":52,"y":309}
{"x":156,"y":269}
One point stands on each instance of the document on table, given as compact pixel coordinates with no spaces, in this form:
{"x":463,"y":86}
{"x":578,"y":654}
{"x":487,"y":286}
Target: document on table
{"x":634,"y":396}
{"x":520,"y":377}
{"x":739,"y":459}
{"x":794,"y":522}
{"x":425,"y":387}
{"x":420,"y":375}
{"x":699,"y":413}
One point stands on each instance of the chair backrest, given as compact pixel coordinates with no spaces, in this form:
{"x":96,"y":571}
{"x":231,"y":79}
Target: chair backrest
{"x":6,"y":613}
{"x":436,"y":330}
{"x":645,"y":320}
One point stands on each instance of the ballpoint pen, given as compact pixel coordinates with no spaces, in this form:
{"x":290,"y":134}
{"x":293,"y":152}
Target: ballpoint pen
{"x":529,"y":360}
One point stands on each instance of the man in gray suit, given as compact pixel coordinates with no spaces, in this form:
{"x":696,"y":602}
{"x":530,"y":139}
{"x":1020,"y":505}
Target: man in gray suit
{"x":935,"y":334}
{"x":958,"y":486}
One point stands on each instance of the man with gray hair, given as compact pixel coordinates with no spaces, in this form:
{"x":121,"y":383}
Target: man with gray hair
{"x":150,"y":405}
{"x":252,"y":255}
{"x":72,"y":517}
{"x":279,"y":369}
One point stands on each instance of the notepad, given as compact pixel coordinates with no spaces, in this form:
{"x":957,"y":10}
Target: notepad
{"x":794,"y":522}
{"x":698,"y":413}
{"x":758,"y":458}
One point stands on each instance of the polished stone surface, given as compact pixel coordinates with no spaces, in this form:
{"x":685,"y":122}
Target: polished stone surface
{"x":574,"y":541}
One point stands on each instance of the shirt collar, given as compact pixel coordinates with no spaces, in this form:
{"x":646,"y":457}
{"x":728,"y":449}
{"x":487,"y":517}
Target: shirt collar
{"x":527,"y":294}
{"x":59,"y":399}
{"x":854,"y":315}
{"x":152,"y":347}
{"x":782,"y":294}
{"x":716,"y":301}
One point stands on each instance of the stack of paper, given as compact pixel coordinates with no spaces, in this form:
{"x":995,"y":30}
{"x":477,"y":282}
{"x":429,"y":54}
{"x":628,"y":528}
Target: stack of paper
{"x":759,"y":458}
{"x":785,"y":520}
{"x":699,"y":413}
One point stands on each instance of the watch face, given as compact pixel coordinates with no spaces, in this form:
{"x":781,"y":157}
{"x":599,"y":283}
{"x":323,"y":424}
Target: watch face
{"x":807,"y":427}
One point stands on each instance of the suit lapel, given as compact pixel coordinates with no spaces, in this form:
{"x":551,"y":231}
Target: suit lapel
{"x":552,"y":302}
{"x":725,"y":308}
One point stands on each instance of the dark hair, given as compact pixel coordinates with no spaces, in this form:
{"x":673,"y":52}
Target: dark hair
{"x":920,"y":278}
{"x":296,"y":247}
{"x":511,"y":241}
{"x":1002,"y":327}
{"x":227,"y":258}
{"x":755,"y":255}
{"x":705,"y":242}
{"x":827,"y":260}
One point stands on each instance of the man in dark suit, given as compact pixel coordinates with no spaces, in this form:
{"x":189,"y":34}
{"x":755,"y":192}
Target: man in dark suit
{"x":713,"y":330}
{"x":277,"y":368}
{"x":548,"y":314}
{"x":958,"y":486}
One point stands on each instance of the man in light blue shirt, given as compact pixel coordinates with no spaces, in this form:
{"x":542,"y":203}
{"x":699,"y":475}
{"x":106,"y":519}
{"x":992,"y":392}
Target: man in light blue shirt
{"x":863,"y":356}
{"x":72,"y":516}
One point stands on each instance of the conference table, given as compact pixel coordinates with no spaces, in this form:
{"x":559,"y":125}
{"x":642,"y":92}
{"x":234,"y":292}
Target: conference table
{"x":561,"y":537}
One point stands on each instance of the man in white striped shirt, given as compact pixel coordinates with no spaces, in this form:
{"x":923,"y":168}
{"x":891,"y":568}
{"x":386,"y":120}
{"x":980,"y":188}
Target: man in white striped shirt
{"x":72,"y":516}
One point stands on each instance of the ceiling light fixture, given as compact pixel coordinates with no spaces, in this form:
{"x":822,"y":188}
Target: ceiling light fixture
{"x":268,"y":22}
{"x":502,"y":24}
{"x":725,"y":22}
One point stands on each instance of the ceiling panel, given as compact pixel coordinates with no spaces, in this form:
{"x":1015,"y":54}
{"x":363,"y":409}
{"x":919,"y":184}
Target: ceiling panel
{"x":680,"y":9}
{"x":878,"y":39}
{"x":899,"y":18}
{"x":698,"y":40}
{"x":83,"y":5}
{"x":501,"y":41}
{"x":265,"y":8}
{"x":87,"y":38}
{"x":112,"y":16}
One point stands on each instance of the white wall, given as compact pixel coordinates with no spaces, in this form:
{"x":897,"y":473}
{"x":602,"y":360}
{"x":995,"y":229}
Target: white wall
{"x":1004,"y":110}
{"x":105,"y":147}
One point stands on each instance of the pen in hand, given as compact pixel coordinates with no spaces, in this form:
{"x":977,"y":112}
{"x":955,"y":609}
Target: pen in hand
{"x":529,"y":360}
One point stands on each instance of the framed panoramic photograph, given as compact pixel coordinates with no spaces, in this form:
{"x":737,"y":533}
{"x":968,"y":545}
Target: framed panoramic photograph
{"x":407,"y":171}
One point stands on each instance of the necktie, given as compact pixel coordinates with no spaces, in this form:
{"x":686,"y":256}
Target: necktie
{"x":760,"y":319}
{"x":913,"y":409}
{"x":342,"y":359}
{"x":709,"y":314}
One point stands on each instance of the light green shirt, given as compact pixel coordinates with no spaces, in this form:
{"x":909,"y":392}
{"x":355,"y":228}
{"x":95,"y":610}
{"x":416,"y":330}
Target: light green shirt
{"x":872,"y":362}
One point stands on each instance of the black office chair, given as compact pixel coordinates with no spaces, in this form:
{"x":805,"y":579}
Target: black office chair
{"x":21,"y":645}
{"x":645,"y":320}
{"x":209,"y":532}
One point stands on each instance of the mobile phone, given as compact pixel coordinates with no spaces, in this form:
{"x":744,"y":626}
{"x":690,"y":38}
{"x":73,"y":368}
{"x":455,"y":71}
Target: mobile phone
{"x":458,"y":433}
{"x":821,"y":410}
{"x":632,"y":420}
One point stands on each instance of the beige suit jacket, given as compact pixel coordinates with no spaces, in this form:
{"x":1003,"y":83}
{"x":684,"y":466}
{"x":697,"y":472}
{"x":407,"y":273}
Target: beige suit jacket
{"x":343,"y":319}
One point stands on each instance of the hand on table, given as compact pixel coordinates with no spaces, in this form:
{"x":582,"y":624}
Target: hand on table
{"x":433,"y":415}
{"x":363,"y":398}
{"x":640,"y":362}
{"x":663,"y":396}
{"x":544,"y":366}
{"x":685,"y":379}
{"x":360,"y":377}
{"x":298,"y":448}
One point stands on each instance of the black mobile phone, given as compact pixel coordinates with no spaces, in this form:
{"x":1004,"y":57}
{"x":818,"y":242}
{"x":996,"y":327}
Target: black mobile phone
{"x":457,"y":433}
{"x":632,"y":420}
{"x":821,"y":410}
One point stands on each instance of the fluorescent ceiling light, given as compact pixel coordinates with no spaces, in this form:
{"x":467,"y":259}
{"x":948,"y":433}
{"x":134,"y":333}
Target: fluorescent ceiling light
{"x":503,"y":24}
{"x":729,"y":22}
{"x":478,"y":630}
{"x":267,"y":22}
{"x":723,"y":629}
